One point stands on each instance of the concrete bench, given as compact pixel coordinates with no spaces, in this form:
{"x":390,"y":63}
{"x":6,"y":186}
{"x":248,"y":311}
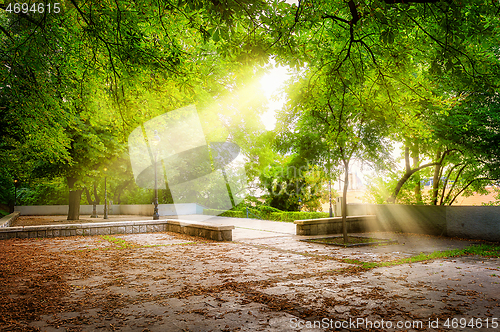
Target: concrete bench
{"x":193,"y":228}
{"x":9,"y":219}
{"x":324,"y":226}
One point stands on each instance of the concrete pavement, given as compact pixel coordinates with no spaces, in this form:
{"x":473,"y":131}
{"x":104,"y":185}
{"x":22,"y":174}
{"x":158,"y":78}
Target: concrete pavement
{"x":266,"y":280}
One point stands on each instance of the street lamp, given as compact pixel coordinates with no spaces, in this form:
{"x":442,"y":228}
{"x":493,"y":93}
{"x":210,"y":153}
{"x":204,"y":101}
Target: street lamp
{"x":156,"y":141}
{"x":105,"y":196}
{"x":330,"y":194}
{"x":330,"y":183}
{"x":15,"y":192}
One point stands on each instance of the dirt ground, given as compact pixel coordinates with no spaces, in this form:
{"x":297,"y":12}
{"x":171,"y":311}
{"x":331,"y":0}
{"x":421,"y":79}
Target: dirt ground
{"x":171,"y":282}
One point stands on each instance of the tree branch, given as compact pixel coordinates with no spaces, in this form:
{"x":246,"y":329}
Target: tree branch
{"x":354,"y":12}
{"x":390,"y":2}
{"x":454,"y":183}
{"x":407,"y":159}
{"x":6,"y":33}
{"x":405,"y":177}
{"x":336,"y":18}
{"x":446,"y":183}
{"x":467,"y":186}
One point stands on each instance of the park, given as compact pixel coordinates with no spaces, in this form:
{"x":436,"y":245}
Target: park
{"x":250,"y":165}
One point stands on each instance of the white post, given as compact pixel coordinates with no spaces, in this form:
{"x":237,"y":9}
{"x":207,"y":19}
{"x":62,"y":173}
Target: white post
{"x":338,"y":207}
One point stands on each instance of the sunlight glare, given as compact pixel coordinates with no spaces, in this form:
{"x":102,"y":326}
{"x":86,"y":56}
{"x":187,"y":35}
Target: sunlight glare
{"x":272,"y":83}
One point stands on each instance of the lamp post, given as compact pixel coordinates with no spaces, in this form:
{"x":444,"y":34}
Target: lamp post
{"x":156,"y":141}
{"x":330,"y":183}
{"x":330,"y":199}
{"x":15,"y":192}
{"x":105,"y":196}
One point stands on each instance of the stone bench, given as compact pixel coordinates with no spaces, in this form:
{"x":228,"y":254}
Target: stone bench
{"x":9,"y":219}
{"x":325,"y":226}
{"x":193,"y":228}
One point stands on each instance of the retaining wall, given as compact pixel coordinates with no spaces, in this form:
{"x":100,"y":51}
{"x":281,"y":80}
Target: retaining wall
{"x":8,"y":219}
{"x":324,"y":226}
{"x":193,"y":228}
{"x":135,"y":209}
{"x":473,"y":222}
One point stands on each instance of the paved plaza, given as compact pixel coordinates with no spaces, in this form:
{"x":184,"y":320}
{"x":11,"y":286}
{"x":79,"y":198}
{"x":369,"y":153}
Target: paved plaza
{"x":265,"y":280}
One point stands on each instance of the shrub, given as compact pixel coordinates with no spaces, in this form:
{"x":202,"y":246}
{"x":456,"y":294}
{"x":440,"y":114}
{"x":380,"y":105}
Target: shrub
{"x":267,"y":213}
{"x":292,"y":216}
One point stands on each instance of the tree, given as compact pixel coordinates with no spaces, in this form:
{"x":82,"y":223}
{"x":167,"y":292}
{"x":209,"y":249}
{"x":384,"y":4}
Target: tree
{"x":347,"y":126}
{"x":472,"y":129}
{"x":412,"y":56}
{"x":293,"y":184}
{"x":76,"y":81}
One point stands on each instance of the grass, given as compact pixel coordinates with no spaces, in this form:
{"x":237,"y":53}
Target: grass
{"x":484,"y":250}
{"x":122,"y":244}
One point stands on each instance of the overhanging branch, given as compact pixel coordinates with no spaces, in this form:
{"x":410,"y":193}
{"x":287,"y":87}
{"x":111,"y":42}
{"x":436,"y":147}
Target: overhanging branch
{"x":390,"y":2}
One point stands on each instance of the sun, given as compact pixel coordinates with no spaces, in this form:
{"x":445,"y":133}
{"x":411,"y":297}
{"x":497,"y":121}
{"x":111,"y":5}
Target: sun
{"x":272,"y":83}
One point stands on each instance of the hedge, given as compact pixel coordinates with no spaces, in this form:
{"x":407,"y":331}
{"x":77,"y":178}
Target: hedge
{"x":292,"y":216}
{"x":268,"y":213}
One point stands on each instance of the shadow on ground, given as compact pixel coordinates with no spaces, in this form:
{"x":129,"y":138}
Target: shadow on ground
{"x":171,"y":282}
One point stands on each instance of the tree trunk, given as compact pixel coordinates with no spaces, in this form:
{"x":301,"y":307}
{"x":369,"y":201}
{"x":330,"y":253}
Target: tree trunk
{"x":96,"y":196}
{"x":91,"y":201}
{"x":74,"y":200}
{"x":94,"y":202}
{"x":344,"y":201}
{"x":416,"y":160}
{"x":119,"y":190}
{"x":89,"y":198}
{"x":435,"y":179}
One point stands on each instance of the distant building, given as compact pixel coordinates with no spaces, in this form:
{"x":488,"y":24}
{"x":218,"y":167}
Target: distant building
{"x":355,"y":182}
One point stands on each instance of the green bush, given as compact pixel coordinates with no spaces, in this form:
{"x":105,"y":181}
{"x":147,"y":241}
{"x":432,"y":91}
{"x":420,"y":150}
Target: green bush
{"x":267,"y":213}
{"x":234,"y":214}
{"x":292,"y":216}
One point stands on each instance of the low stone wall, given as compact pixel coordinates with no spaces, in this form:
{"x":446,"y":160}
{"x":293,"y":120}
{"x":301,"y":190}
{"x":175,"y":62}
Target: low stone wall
{"x":472,"y":222}
{"x":324,"y":226}
{"x":207,"y":231}
{"x":47,"y":210}
{"x":193,"y":228}
{"x":132,"y":209}
{"x":135,"y":209}
{"x":8,"y":219}
{"x":420,"y":219}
